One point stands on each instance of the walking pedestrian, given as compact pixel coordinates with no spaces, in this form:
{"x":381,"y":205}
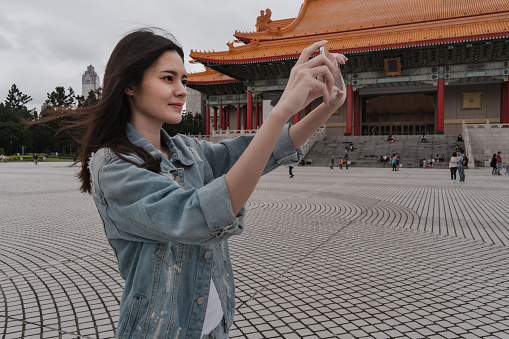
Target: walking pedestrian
{"x":393,"y":162}
{"x":36,"y":158}
{"x":169,"y":204}
{"x":332,"y":162}
{"x":340,"y":163}
{"x":453,"y":166}
{"x":290,"y":171}
{"x":493,"y":164}
{"x":499,"y":162}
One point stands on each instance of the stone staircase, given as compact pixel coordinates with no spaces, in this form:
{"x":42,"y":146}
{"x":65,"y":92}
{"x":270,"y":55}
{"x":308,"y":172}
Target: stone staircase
{"x":368,"y":149}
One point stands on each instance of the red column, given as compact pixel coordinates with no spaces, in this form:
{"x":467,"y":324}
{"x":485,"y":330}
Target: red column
{"x":221,"y":121}
{"x":504,"y":103}
{"x":238,"y":116}
{"x":215,"y":118}
{"x":207,"y":120}
{"x":349,"y":109}
{"x":257,"y":115}
{"x":244,"y":119}
{"x":296,"y":117}
{"x":308,"y":109}
{"x":440,"y":106}
{"x":261,"y":113}
{"x":226,"y":117}
{"x":249,"y":110}
{"x":357,"y":113}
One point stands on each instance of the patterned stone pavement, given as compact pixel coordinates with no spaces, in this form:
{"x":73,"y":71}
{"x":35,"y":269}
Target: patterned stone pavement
{"x":358,"y":253}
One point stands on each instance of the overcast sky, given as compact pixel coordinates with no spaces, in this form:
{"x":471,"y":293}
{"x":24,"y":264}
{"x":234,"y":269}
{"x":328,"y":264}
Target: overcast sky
{"x":50,"y":43}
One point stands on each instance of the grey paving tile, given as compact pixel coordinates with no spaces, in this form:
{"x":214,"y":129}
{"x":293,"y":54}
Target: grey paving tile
{"x":366,"y":253}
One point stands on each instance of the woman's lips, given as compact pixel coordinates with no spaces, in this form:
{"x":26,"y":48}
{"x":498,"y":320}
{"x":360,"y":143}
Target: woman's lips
{"x":179,"y":106}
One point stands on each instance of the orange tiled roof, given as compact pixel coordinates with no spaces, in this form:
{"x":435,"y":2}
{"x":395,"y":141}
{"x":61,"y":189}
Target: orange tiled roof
{"x":209,"y":77}
{"x":383,"y":24}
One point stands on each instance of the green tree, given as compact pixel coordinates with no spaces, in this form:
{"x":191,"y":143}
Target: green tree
{"x":13,"y":136}
{"x":17,"y":100}
{"x":92,"y":98}
{"x":59,"y":97}
{"x":198,"y":125}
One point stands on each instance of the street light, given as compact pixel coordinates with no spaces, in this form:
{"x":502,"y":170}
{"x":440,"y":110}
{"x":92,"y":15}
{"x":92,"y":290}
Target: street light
{"x":11,"y":147}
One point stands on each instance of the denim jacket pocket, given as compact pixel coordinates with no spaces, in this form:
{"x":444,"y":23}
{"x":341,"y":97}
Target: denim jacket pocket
{"x":132,"y":318}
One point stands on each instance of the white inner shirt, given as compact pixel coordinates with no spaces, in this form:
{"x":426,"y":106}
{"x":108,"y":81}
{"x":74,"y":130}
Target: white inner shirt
{"x":214,"y":312}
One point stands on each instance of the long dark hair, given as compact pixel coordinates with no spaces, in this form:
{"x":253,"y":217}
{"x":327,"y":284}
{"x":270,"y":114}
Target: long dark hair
{"x":106,"y":122}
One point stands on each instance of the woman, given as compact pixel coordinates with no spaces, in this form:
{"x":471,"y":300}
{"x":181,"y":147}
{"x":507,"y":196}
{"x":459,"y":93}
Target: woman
{"x":493,"y":164}
{"x":169,"y":204}
{"x":453,"y":166}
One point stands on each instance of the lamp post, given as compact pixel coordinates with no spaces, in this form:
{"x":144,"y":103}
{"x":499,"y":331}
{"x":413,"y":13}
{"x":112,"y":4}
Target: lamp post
{"x":11,"y":147}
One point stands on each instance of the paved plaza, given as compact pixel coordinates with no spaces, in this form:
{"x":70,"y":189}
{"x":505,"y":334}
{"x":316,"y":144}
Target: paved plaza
{"x":358,"y":253}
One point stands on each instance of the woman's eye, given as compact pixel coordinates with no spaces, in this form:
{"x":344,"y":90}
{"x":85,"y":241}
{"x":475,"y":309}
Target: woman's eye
{"x":169,"y":78}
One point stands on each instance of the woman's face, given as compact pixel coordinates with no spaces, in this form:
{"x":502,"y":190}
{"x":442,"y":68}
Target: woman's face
{"x":161,"y":94}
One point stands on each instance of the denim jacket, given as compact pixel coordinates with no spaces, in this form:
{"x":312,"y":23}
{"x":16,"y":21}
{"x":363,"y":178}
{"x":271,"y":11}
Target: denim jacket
{"x":169,"y":230}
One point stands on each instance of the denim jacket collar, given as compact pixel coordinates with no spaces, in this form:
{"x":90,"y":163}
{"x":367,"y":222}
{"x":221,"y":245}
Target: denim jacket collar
{"x":138,"y":140}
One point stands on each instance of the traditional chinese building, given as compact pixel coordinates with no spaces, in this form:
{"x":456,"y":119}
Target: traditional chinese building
{"x":415,"y":66}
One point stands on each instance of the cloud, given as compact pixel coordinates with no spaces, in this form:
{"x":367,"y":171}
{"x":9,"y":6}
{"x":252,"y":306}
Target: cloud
{"x":45,"y":44}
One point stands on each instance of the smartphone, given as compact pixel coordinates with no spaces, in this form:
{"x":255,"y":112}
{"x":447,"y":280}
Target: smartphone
{"x":338,"y":79}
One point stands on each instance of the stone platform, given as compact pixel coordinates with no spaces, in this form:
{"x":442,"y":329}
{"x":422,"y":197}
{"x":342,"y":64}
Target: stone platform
{"x":358,"y":253}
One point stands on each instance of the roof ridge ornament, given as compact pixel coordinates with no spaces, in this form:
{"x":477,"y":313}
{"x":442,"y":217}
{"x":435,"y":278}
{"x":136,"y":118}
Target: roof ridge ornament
{"x":263,"y":20}
{"x":230,"y":46}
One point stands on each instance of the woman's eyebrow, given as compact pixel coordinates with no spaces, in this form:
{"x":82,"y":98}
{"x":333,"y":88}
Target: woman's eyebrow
{"x":174,"y":73}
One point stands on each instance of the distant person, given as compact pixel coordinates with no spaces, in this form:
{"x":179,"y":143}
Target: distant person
{"x":499,"y":162}
{"x":332,"y":162}
{"x":351,"y":147}
{"x":460,"y":138}
{"x":453,"y":166}
{"x":398,"y":158}
{"x":347,"y":161}
{"x":290,"y":171}
{"x":423,"y":138}
{"x":462,"y":162}
{"x":36,"y":158}
{"x":493,"y":164}
{"x":2,"y":158}
{"x":308,"y":161}
{"x":393,"y":162}
{"x":341,"y":163}
{"x":507,"y":169}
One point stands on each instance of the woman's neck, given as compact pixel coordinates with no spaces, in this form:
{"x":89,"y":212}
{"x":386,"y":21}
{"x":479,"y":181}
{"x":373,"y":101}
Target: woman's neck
{"x":152,"y":134}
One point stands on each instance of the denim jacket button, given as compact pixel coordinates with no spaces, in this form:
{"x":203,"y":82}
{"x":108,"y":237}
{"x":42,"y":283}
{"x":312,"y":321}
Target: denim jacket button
{"x":207,"y":255}
{"x":177,"y":178}
{"x":200,"y":300}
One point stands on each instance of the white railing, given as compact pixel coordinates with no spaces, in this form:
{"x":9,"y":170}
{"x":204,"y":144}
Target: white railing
{"x":468,"y":145}
{"x":232,"y":132}
{"x":486,"y":126}
{"x":318,"y":136}
{"x":216,"y":136}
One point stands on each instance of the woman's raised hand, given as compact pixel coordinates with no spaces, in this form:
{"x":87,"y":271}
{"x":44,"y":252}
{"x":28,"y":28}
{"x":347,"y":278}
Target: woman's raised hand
{"x":305,"y":83}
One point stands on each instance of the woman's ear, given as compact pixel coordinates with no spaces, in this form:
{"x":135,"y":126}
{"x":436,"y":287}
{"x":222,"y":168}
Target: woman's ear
{"x":129,"y":91}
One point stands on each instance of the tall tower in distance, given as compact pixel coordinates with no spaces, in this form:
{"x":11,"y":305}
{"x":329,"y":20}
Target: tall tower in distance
{"x":89,"y":81}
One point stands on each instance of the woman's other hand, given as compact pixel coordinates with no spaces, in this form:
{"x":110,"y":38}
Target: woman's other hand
{"x":305,"y":84}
